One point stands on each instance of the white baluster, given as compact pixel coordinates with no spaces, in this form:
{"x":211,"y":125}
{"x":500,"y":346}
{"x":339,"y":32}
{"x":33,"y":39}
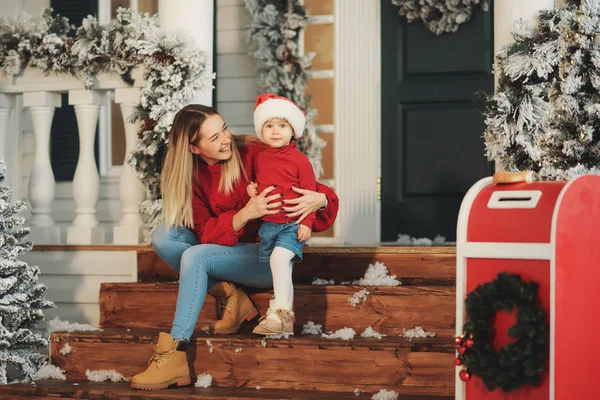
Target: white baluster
{"x":41,"y":181}
{"x":131,"y":189}
{"x":7,"y":104}
{"x":86,"y":183}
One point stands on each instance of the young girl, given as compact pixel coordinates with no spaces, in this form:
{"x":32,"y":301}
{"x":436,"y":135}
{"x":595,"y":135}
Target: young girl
{"x":278,"y":123}
{"x":209,"y":232}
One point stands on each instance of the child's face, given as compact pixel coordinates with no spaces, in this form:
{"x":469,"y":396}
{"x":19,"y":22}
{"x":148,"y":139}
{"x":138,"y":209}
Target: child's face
{"x":277,"y":132}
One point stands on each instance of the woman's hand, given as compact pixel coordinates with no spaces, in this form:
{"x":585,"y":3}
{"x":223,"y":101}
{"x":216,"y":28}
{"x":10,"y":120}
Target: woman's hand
{"x":308,"y":202}
{"x":259,"y":206}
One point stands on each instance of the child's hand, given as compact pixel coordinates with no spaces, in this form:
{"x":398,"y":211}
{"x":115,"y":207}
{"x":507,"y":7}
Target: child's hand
{"x":252,"y":189}
{"x":304,"y":233}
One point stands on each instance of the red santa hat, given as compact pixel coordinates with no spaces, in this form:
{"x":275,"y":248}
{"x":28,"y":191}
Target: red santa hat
{"x":269,"y":106}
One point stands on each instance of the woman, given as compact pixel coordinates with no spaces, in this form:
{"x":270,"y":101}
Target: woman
{"x":210,"y":232}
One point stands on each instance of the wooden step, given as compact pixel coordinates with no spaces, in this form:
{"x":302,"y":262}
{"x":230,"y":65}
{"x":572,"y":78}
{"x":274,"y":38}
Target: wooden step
{"x":412,"y":265}
{"x":421,"y":366}
{"x":387,"y":310}
{"x":46,"y":390}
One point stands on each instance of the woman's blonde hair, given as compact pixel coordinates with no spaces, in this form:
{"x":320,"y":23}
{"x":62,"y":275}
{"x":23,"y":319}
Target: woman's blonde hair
{"x":176,"y":178}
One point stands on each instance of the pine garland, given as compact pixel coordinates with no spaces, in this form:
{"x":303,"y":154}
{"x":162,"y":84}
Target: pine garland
{"x":440,"y":16}
{"x":21,"y":296}
{"x":273,"y":36}
{"x":174,"y":71}
{"x":519,"y":363}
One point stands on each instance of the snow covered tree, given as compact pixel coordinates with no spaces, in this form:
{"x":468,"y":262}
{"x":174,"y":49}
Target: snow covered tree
{"x":516,"y":115}
{"x":571,"y":145}
{"x":21,"y":296}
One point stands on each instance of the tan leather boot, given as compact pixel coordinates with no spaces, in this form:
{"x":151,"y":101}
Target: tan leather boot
{"x":283,"y":324}
{"x":234,"y":306}
{"x":167,"y":366}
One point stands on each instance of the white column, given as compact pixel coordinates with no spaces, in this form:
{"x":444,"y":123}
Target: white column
{"x":195,"y":18}
{"x":7,"y":104}
{"x":41,"y":181}
{"x":357,"y":120}
{"x":86,"y":183}
{"x":131,"y":189}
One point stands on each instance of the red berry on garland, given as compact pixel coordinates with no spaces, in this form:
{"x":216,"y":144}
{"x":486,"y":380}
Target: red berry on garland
{"x":469,"y":342}
{"x":464,"y":375}
{"x":457,"y":361}
{"x":462,"y":350}
{"x":458,"y":340}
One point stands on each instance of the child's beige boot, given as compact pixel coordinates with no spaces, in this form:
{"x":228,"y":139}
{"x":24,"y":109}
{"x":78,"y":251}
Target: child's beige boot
{"x":168,"y":366}
{"x":282,"y":324}
{"x":234,"y":306}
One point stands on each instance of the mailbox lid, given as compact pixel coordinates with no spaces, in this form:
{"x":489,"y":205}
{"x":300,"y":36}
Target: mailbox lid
{"x":514,"y":213}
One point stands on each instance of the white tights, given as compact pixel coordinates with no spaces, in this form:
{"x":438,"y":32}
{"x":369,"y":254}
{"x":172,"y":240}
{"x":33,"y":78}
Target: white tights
{"x":281,"y":269}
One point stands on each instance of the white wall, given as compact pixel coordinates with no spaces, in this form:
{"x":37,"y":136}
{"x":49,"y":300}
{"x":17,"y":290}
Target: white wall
{"x":73,"y":280}
{"x":33,"y":7}
{"x":236,"y":76}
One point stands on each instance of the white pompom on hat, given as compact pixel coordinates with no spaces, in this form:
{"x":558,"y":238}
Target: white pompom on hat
{"x":269,"y":106}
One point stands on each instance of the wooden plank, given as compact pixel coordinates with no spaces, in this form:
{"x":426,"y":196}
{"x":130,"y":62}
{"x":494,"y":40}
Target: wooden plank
{"x":417,"y":267}
{"x":388,"y":310}
{"x":72,"y":389}
{"x":394,"y":363}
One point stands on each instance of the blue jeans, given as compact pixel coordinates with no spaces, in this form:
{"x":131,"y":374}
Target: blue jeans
{"x":202,"y":265}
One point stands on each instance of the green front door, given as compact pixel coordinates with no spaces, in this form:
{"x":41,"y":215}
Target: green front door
{"x":432,"y":150}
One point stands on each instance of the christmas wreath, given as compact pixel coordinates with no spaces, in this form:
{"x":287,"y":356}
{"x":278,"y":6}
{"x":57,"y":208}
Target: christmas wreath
{"x":520,"y":362}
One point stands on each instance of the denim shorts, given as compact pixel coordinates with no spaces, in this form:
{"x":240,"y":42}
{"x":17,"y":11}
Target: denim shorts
{"x":279,"y":235}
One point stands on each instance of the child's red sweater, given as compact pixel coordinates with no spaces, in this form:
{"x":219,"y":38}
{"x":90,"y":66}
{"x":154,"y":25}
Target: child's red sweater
{"x":213,"y":211}
{"x":285,"y":167}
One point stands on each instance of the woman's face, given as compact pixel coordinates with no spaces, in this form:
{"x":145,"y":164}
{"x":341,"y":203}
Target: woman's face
{"x":214,"y":144}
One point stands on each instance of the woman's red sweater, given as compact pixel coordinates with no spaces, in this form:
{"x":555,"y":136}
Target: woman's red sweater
{"x":213,"y":210}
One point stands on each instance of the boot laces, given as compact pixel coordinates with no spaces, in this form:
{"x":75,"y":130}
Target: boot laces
{"x":223,"y":303}
{"x":161,"y":356}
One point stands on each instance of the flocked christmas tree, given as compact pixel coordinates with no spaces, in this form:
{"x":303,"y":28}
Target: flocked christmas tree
{"x":516,"y":116}
{"x":571,"y":143}
{"x":21,"y":296}
{"x":545,"y":115}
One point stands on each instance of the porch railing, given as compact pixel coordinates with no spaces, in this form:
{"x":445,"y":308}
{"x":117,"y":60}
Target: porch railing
{"x":42,"y":95}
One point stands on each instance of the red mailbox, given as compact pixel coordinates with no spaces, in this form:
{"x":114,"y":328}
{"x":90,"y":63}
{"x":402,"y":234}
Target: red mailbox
{"x":548,"y":232}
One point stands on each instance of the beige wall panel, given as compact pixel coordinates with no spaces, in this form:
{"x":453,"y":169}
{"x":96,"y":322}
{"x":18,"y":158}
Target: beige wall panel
{"x":327,"y":156}
{"x":319,"y":7}
{"x":321,"y":92}
{"x":318,"y":38}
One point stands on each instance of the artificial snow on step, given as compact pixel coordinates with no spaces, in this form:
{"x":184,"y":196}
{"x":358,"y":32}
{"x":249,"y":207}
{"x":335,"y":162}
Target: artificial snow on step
{"x":377,"y":275}
{"x":104,"y":375}
{"x":66,"y":349}
{"x":417,"y":332}
{"x":49,"y":371}
{"x":384,"y":394}
{"x":359,"y":297}
{"x":344,"y":334}
{"x":407,"y":240}
{"x":310,"y":328}
{"x":370,"y":332}
{"x":204,"y":380}
{"x":56,"y":325}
